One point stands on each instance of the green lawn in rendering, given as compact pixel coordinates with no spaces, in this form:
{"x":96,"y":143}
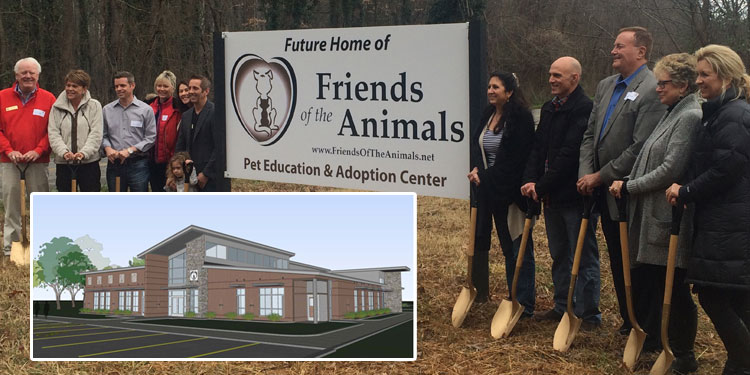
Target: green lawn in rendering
{"x":395,"y":342}
{"x":260,"y":327}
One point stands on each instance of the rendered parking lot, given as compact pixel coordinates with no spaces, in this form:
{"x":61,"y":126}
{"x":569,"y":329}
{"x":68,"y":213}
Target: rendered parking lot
{"x":72,"y":338}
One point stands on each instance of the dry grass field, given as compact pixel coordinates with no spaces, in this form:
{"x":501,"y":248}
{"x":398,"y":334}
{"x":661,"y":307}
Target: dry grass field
{"x":442,"y":349}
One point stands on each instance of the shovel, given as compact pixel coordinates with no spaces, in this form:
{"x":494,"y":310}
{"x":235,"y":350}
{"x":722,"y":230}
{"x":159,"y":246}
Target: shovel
{"x":118,"y":165}
{"x":468,"y":292}
{"x":637,"y":336}
{"x":20,"y":251}
{"x":73,"y":171}
{"x":510,"y":311}
{"x":662,"y":364}
{"x":569,"y":324}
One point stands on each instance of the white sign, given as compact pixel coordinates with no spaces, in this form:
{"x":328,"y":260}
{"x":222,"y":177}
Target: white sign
{"x":374,"y":108}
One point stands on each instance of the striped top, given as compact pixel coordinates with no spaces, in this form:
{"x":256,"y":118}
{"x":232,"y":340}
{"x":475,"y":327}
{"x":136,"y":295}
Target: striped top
{"x":491,"y":143}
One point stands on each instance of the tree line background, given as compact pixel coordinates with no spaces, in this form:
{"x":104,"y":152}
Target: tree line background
{"x":523,"y":36}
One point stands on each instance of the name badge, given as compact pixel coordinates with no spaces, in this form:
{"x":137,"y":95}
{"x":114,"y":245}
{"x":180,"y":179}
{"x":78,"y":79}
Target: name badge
{"x":136,"y":123}
{"x":11,"y":108}
{"x":631,"y":95}
{"x":38,"y":112}
{"x":164,"y":117}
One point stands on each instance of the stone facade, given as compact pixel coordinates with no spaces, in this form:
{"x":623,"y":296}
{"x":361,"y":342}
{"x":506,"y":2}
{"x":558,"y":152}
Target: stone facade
{"x":195,"y":256}
{"x":393,"y":297}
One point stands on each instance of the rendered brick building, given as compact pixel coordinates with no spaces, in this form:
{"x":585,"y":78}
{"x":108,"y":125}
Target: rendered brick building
{"x":199,"y":270}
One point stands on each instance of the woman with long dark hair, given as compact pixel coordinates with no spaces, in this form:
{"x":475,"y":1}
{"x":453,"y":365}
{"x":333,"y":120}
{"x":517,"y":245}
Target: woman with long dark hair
{"x":499,"y":149}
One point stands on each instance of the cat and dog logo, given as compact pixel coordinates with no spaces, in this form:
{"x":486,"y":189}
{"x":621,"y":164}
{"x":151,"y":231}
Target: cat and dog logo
{"x":264,"y":94}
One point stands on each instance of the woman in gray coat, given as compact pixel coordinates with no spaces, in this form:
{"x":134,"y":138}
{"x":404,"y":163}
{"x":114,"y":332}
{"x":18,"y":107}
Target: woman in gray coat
{"x":662,"y":161}
{"x":75,"y":134}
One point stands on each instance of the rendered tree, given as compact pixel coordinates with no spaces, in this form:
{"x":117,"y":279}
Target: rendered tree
{"x":50,"y":261}
{"x":135,"y":262}
{"x":69,"y":272}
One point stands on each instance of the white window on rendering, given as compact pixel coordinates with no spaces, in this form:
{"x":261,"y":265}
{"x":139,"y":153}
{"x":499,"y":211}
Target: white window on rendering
{"x":121,"y":301}
{"x":129,"y":300}
{"x":109,"y":279}
{"x":240,"y":301}
{"x":133,"y":277}
{"x":88,"y":280}
{"x":271,"y":301}
{"x":370,"y":299}
{"x":106,"y":301}
{"x":135,"y":301}
{"x":122,"y":278}
{"x":96,"y":300}
{"x":98,"y":280}
{"x":195,"y":301}
{"x":355,"y":300}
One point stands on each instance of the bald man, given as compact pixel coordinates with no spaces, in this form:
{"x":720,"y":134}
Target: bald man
{"x":550,"y":176}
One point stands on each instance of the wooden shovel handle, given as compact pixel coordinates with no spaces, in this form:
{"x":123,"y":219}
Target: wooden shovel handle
{"x":23,"y":211}
{"x":470,"y":250}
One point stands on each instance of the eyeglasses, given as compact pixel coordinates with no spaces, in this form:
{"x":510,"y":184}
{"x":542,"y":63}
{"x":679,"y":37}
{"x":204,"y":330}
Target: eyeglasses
{"x":662,"y":84}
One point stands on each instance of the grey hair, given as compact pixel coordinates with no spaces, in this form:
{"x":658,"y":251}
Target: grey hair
{"x":27,"y":59}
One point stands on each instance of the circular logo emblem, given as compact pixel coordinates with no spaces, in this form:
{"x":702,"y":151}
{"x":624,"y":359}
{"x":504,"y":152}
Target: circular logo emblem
{"x":264,"y":94}
{"x":193,"y":275}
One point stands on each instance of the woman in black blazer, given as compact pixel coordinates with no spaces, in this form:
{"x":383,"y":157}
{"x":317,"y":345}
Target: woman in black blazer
{"x":499,"y":149}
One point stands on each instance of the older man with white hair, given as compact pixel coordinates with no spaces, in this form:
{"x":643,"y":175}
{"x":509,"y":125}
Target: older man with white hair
{"x":24,"y":111}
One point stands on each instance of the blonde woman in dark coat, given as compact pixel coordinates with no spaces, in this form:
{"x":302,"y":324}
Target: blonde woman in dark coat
{"x":719,"y":263}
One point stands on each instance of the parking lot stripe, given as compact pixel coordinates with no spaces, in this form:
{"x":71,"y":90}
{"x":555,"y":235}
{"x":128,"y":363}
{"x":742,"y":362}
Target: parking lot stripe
{"x":141,"y":347}
{"x":69,"y":330}
{"x":104,"y":340}
{"x":224,"y":350}
{"x":44,"y":325}
{"x":60,"y":326}
{"x":83,"y":334}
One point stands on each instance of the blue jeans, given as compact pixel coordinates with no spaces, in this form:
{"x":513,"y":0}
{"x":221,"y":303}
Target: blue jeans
{"x":133,"y":174}
{"x":563,"y":224}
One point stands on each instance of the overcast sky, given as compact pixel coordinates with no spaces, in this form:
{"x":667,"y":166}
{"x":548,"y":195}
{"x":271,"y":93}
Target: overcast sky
{"x":335,"y":231}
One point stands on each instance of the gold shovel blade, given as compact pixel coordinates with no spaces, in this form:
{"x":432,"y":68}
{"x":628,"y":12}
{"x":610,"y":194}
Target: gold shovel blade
{"x":462,"y":306}
{"x":633,"y":348}
{"x":566,"y":332}
{"x":501,"y":319}
{"x":662,"y":364}
{"x":506,"y":317}
{"x":19,"y":253}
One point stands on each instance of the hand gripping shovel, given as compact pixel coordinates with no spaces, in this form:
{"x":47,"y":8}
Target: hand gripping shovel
{"x":569,"y":324}
{"x":661,"y":366}
{"x":637,"y":336}
{"x":510,"y":311}
{"x":187,"y":169}
{"x":19,"y":251}
{"x":468,"y":292}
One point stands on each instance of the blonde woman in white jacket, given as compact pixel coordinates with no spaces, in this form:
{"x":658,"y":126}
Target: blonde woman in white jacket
{"x":75,"y":115}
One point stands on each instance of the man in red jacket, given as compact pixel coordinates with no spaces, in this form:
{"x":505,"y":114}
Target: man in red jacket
{"x":24,"y":110}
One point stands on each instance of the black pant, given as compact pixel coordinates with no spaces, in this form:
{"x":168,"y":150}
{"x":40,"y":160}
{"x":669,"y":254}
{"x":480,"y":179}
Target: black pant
{"x":729,"y":311}
{"x":683,"y":314}
{"x":486,"y":210}
{"x":158,"y":175}
{"x":611,"y":231}
{"x":88,"y":177}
